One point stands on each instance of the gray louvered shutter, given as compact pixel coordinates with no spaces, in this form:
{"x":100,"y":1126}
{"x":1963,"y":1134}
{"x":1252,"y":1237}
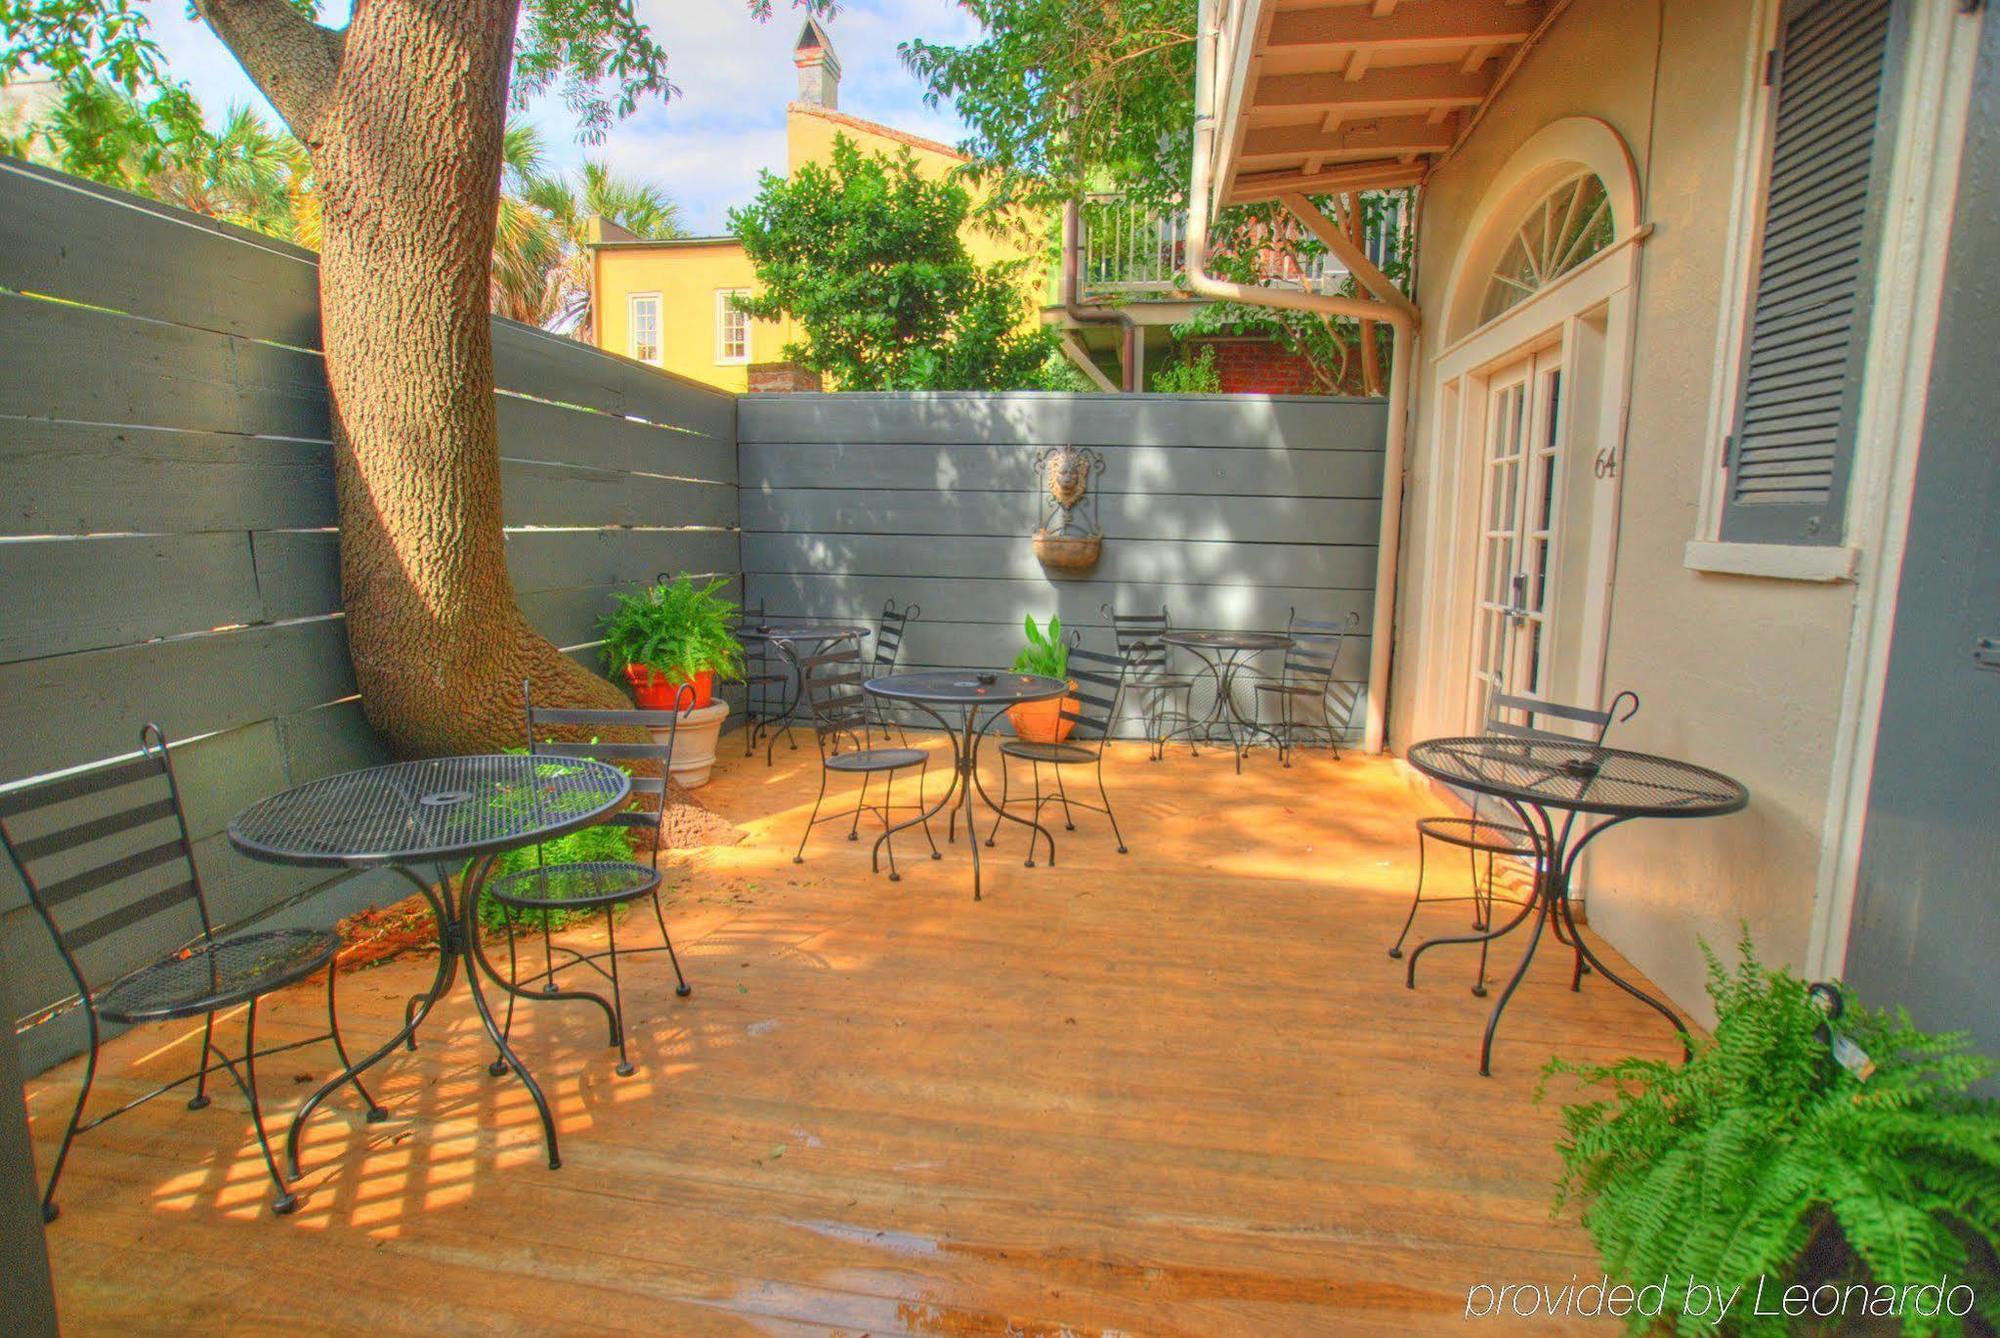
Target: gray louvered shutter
{"x":1836,"y":74}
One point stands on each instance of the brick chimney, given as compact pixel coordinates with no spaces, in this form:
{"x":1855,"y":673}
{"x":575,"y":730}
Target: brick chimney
{"x":819,"y":68}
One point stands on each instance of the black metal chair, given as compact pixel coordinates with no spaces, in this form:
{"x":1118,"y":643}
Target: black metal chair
{"x":843,"y":727}
{"x":1309,"y":700}
{"x":547,"y":889}
{"x":888,"y":650}
{"x":1503,"y":837}
{"x":1152,"y":678}
{"x":765,"y":704}
{"x":108,"y":864}
{"x":1100,"y":690}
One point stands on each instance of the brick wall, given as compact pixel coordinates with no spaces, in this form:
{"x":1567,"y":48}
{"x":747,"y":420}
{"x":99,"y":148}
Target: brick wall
{"x":1259,"y":367}
{"x":776,"y":378}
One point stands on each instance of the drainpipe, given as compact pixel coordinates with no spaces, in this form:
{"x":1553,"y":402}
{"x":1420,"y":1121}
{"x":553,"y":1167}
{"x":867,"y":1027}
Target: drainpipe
{"x":1399,"y":314}
{"x":1129,"y":348}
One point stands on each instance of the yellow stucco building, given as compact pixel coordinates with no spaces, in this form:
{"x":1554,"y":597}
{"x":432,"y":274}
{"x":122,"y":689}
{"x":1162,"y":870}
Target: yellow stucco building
{"x":667,"y":302}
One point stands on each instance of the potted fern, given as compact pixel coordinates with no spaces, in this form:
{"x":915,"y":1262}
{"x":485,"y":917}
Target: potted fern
{"x":671,"y":642}
{"x":1047,"y":654}
{"x":1822,"y":1163}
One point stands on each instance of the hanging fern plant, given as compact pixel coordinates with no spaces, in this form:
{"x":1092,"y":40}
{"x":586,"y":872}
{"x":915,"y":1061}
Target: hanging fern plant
{"x":1794,"y":1151}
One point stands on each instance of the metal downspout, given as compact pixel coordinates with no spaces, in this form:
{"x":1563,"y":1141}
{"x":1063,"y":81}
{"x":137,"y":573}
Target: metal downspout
{"x":1403,"y":360}
{"x":1092,"y":313}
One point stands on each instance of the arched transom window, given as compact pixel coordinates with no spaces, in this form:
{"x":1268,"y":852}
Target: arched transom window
{"x":1565,"y":228}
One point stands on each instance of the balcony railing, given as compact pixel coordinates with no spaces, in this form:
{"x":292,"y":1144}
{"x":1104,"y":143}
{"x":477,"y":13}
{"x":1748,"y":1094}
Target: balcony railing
{"x":1137,"y":252}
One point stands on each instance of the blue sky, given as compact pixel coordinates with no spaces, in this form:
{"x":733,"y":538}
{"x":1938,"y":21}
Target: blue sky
{"x":734,"y":74}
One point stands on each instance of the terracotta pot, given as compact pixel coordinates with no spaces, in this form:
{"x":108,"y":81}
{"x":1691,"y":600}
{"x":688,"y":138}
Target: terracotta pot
{"x":694,"y":744}
{"x":659,"y":690}
{"x":1042,"y":722}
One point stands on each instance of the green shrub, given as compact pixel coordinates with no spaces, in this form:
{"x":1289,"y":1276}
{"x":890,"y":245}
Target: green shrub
{"x":1767,"y":1160}
{"x":1190,"y":376}
{"x":1046,"y":653}
{"x":676,"y":628}
{"x":597,"y":844}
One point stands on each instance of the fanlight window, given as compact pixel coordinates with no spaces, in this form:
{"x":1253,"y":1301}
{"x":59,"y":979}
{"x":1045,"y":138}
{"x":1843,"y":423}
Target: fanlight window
{"x":1570,"y":225}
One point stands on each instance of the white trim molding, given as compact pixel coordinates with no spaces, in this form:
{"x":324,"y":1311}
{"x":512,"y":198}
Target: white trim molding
{"x":1783,"y":562}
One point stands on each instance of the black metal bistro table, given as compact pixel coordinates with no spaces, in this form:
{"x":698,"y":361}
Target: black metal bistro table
{"x":967,"y":691}
{"x":438,"y":813}
{"x":1224,"y":656}
{"x":1583,"y":782}
{"x":788,"y":639}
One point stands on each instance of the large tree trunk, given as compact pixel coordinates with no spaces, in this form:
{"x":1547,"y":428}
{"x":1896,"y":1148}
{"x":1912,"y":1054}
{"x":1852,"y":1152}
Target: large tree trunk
{"x":403,"y":116}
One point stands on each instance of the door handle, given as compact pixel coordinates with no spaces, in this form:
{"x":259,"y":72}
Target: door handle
{"x":1519,"y":608}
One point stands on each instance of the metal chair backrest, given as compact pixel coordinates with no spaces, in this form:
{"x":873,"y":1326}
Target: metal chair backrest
{"x":542,"y":719}
{"x":1141,"y":632}
{"x":832,"y":682}
{"x":1100,"y":685}
{"x":1535,"y":711}
{"x":1315,"y":648}
{"x":889,"y":636}
{"x":106,"y":851}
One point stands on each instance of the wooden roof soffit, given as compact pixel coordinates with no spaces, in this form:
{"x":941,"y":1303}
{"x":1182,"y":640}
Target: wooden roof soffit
{"x":1346,"y":95}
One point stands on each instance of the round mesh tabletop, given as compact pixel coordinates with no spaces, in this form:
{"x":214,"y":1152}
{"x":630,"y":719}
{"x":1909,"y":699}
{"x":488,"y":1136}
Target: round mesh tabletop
{"x":1578,"y":776}
{"x":1228,"y":640}
{"x":801,"y":631}
{"x":967,"y":687}
{"x":439,"y":809}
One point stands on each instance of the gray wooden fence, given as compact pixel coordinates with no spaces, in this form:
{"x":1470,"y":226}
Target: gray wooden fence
{"x":1229,"y":510}
{"x":167,"y":549}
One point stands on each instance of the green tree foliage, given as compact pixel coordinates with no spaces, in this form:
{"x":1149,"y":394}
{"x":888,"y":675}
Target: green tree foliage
{"x":1068,"y":97}
{"x":1764,"y":1157}
{"x":865,"y":254}
{"x":1189,"y":375}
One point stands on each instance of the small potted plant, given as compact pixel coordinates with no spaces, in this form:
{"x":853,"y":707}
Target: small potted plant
{"x":1046,"y":654}
{"x":672,"y":642}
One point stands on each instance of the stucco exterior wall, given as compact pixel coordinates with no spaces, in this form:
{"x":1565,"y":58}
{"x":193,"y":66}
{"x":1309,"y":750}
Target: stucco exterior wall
{"x":1741,"y":674}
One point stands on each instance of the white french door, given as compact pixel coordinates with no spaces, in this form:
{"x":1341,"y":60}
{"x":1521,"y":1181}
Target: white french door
{"x":1519,"y":511}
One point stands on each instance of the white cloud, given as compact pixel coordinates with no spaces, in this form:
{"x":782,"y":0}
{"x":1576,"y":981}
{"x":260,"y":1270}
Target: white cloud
{"x":734,"y":74}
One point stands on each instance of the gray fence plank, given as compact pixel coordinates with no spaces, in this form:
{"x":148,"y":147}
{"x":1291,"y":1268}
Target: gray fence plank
{"x":533,"y":430}
{"x":549,"y":367}
{"x":82,"y":242}
{"x":1268,"y":472}
{"x":534,"y":493}
{"x":81,"y":478}
{"x":951,"y":515}
{"x":571,"y":617}
{"x":146,"y":373}
{"x":58,"y":596}
{"x":1078,"y":603}
{"x":1032,"y":418}
{"x":70,"y":709}
{"x":1214,"y":562}
{"x":558,"y":559}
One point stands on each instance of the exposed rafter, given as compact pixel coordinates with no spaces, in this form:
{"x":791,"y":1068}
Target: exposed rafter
{"x":1432,"y":23}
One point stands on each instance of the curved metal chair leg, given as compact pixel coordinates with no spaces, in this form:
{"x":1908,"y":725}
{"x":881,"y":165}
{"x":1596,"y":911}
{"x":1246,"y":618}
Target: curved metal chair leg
{"x":924,"y":803}
{"x":199,"y":1101}
{"x":1004,"y":778}
{"x":888,"y":839}
{"x":1482,"y":920}
{"x":49,"y":1209}
{"x":625,"y":1068}
{"x":683,"y":989}
{"x":1417,"y":900}
{"x":1038,"y":812}
{"x":860,"y":800}
{"x":376,"y":1112}
{"x":799,"y":855}
{"x":286,"y":1200}
{"x":1105,"y":795}
{"x":1069,"y":823}
{"x":549,"y":985}
{"x":498,"y":1065}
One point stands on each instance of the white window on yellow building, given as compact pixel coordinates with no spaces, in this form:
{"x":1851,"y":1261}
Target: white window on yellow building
{"x":732,"y":328}
{"x":645,"y":323}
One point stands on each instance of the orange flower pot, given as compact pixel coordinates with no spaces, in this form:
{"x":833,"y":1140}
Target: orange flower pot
{"x":654,"y":690}
{"x":1042,"y":721}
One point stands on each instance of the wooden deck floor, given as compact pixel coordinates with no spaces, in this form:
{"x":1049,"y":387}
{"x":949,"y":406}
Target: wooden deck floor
{"x":1178,"y":1091}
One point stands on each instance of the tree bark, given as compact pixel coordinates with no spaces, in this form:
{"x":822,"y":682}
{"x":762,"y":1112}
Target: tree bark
{"x":403,"y":116}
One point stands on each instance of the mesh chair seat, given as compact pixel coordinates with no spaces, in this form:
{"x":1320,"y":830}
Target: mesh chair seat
{"x":1141,"y":683}
{"x":228,"y":972}
{"x":573,"y":886}
{"x":1293,"y":689}
{"x":875,"y":759}
{"x":1058,"y":753}
{"x":1479,"y":834}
